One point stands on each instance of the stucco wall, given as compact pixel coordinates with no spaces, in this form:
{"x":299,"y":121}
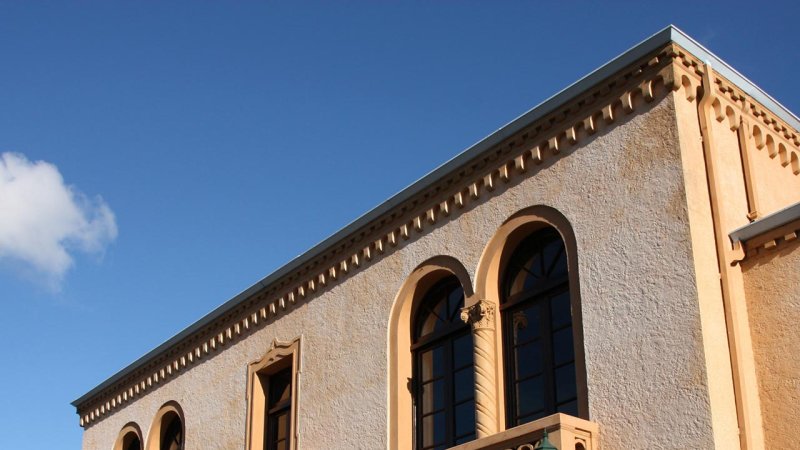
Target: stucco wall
{"x":623,"y":193}
{"x":772,"y":284}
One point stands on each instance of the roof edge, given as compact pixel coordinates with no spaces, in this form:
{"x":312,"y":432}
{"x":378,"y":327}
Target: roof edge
{"x":766,"y":224}
{"x":669,"y":34}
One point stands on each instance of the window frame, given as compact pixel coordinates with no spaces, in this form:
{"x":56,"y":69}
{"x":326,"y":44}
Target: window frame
{"x":540,"y":297}
{"x":401,"y":411}
{"x":279,"y":357}
{"x":444,"y":338}
{"x":276,"y":408}
{"x":491,"y":266}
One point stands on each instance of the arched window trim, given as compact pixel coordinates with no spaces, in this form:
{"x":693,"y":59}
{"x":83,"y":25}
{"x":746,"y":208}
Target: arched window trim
{"x":128,"y":429}
{"x":488,"y":282}
{"x":154,"y":434}
{"x":400,"y":420}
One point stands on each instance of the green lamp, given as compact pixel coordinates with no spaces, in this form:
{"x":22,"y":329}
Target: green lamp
{"x":545,"y":443}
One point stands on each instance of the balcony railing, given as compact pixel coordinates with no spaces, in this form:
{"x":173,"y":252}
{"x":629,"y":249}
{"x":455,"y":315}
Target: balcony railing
{"x":563,"y":431}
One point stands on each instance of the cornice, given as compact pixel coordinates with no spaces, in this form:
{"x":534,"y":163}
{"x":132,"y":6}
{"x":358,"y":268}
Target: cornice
{"x":570,"y":118}
{"x":770,"y":132}
{"x":770,"y":242}
{"x":734,"y":106}
{"x":768,"y":234}
{"x":519,"y":155}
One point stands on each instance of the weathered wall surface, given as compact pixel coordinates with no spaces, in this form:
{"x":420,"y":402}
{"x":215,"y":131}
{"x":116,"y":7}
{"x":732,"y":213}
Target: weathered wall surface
{"x":772,"y":284}
{"x":624,"y":196}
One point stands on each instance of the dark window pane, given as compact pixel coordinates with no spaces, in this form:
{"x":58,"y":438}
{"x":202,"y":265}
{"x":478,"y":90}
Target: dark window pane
{"x":432,"y":396}
{"x":560,"y":310}
{"x":467,"y":438}
{"x":433,"y":319}
{"x":560,"y":268}
{"x":529,"y":359}
{"x":455,"y":301}
{"x":464,"y":385}
{"x":281,"y":424}
{"x":563,"y":350}
{"x":462,"y":351}
{"x":532,"y":417}
{"x":565,"y":383}
{"x":530,"y":396}
{"x":432,"y":364}
{"x":570,"y":408}
{"x":555,"y":258}
{"x":171,"y":437}
{"x":278,"y":409}
{"x":133,"y":443}
{"x":533,"y":271}
{"x":440,"y":308}
{"x":526,"y":324}
{"x":465,"y":418}
{"x":280,"y":387}
{"x":433,"y":429}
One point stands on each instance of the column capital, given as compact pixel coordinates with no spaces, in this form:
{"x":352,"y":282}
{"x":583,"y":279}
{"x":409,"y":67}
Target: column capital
{"x":480,"y":315}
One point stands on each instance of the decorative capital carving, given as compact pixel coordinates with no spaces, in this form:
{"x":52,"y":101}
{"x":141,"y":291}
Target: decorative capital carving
{"x":480,"y":315}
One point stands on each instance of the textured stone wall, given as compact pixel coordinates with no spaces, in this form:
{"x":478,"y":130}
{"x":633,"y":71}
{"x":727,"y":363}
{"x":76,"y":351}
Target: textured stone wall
{"x":622,"y":190}
{"x":772,"y":284}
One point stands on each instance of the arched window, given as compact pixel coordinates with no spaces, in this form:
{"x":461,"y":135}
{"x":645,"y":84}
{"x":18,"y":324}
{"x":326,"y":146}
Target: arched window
{"x":539,"y":351}
{"x":168,"y":430}
{"x":171,"y":432}
{"x":444,"y":387}
{"x":131,"y":442}
{"x":130,"y":438}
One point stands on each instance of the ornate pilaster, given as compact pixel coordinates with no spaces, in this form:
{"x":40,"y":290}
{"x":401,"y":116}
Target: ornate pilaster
{"x":482,"y":318}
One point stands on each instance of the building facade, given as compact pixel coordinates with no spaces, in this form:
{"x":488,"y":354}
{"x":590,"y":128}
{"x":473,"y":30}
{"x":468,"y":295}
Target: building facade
{"x":618,"y":267}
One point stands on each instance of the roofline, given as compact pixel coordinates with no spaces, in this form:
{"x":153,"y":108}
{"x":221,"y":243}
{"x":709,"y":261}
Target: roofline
{"x":766,"y":224}
{"x":670,"y":34}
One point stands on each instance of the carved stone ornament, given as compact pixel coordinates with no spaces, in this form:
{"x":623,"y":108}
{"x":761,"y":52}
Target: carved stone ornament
{"x":480,"y":315}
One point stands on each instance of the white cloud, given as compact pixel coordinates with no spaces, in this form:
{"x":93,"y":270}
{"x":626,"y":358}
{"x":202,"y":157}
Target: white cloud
{"x":44,"y":221}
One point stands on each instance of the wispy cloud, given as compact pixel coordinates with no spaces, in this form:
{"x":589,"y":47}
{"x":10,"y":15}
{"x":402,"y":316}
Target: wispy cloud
{"x":44,"y":221}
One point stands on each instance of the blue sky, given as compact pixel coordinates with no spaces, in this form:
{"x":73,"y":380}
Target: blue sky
{"x":183,"y":150}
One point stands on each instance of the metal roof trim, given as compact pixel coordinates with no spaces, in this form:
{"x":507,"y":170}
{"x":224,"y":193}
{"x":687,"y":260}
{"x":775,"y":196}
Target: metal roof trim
{"x":766,"y":224}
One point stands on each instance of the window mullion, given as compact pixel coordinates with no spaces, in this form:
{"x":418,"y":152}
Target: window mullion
{"x":449,"y":386}
{"x":547,"y":354}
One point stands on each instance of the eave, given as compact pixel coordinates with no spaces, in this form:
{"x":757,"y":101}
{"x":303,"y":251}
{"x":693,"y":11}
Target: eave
{"x":768,"y":232}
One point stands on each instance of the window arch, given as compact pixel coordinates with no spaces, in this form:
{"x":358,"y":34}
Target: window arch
{"x":444,"y":386}
{"x":168,"y":430}
{"x":130,"y":438}
{"x":401,"y":337}
{"x":536,"y":235}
